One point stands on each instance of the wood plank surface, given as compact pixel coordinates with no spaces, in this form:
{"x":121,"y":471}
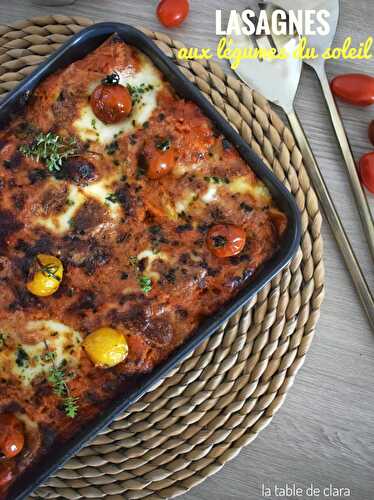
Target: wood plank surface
{"x":324,"y":433}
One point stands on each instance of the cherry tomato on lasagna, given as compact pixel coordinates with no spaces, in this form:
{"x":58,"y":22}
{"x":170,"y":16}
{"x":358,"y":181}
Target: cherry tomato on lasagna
{"x":161,"y":163}
{"x":366,"y":170}
{"x":45,"y":275}
{"x":106,"y":347}
{"x":354,"y":88}
{"x":160,"y":157}
{"x":172,"y":13}
{"x":226,"y":240}
{"x":12,"y":438}
{"x":111,"y":102}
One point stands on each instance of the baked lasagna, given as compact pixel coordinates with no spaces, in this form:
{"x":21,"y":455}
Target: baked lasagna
{"x":125,"y":219}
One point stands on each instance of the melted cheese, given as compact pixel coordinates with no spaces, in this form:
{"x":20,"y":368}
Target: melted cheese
{"x":89,"y":127}
{"x":23,"y":362}
{"x":181,"y":168}
{"x":61,"y":223}
{"x":239,"y":185}
{"x":242,"y":185}
{"x":210,"y":195}
{"x":151,"y":256}
{"x":100,"y":191}
{"x":183,"y":204}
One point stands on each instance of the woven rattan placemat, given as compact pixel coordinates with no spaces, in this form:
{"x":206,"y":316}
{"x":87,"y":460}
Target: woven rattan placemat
{"x":228,"y":390}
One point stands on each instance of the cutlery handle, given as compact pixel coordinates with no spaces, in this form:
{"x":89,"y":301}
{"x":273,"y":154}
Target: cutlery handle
{"x":333,"y":218}
{"x":358,"y":191}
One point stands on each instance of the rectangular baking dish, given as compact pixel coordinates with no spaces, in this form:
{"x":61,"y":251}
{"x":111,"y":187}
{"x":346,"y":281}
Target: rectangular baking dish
{"x":77,"y":47}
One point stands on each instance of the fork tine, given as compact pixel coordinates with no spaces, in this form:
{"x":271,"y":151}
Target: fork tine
{"x":263,"y":41}
{"x":273,"y":40}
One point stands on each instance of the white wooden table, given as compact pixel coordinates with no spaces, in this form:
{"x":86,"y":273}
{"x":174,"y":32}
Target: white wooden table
{"x":324,"y":433}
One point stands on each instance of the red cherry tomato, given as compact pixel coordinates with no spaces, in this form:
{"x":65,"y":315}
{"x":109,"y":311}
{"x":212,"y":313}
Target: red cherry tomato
{"x":6,"y":474}
{"x":355,"y":88}
{"x":225,"y":240}
{"x":161,"y":163}
{"x":371,"y":132}
{"x":12,"y":438}
{"x":172,"y":13}
{"x":366,"y":170}
{"x":111,"y":103}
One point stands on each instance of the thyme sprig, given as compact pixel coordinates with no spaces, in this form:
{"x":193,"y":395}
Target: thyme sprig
{"x":51,"y":149}
{"x":57,"y":378}
{"x":145,"y":284}
{"x":214,"y":179}
{"x":49,"y":270}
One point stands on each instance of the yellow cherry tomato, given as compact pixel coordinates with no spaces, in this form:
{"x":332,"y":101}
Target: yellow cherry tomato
{"x":46,"y":275}
{"x":106,"y":347}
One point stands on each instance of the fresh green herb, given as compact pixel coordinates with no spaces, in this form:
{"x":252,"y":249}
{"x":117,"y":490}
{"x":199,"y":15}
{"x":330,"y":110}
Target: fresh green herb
{"x":22,"y":358}
{"x":112,"y":198}
{"x":145,"y":283}
{"x":216,"y":180}
{"x":219,"y":241}
{"x":57,"y":378}
{"x":71,"y":406}
{"x":163,"y":145}
{"x":48,"y":356}
{"x":93,"y":123}
{"x":49,"y":270}
{"x":112,"y":148}
{"x":112,"y":79}
{"x":69,"y":202}
{"x":50,"y":148}
{"x":138,"y":91}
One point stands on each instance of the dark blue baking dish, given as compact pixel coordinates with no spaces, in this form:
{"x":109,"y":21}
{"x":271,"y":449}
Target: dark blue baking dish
{"x":77,"y":47}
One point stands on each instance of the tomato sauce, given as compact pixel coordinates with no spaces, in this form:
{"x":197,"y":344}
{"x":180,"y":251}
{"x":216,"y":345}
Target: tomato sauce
{"x":152,"y":226}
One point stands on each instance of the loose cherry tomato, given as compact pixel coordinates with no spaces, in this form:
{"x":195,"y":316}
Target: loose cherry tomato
{"x":12,"y":438}
{"x":172,"y":13}
{"x":366,"y":170}
{"x":225,"y":240}
{"x":355,"y":88}
{"x":371,"y":131}
{"x":161,"y":163}
{"x":111,"y":103}
{"x":6,"y":474}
